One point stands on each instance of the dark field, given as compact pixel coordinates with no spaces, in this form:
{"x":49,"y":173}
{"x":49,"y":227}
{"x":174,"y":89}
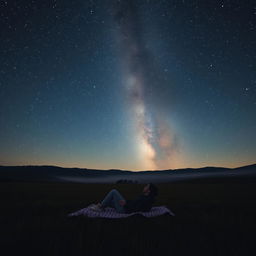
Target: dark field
{"x":211,"y":219}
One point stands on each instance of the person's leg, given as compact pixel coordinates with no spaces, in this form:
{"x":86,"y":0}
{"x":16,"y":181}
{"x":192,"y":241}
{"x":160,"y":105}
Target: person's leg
{"x":112,"y":199}
{"x":116,"y":201}
{"x":108,"y":200}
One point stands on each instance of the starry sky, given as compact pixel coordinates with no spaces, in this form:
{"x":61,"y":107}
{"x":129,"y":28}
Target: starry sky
{"x":134,"y":85}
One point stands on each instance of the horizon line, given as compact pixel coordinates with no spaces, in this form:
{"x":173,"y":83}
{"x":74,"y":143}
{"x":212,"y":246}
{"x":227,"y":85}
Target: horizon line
{"x":44,"y":165}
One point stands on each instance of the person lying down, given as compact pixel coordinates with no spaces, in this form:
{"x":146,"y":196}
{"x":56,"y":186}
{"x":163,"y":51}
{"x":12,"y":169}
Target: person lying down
{"x":142,"y":203}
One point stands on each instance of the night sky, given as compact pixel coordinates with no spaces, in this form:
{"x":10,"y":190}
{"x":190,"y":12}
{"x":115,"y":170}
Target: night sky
{"x":135,"y":85}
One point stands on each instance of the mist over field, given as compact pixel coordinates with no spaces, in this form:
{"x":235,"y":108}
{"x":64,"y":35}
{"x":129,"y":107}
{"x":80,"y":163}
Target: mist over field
{"x":77,"y":175}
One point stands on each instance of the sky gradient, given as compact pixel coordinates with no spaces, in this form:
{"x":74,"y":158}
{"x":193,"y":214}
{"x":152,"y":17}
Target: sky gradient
{"x":134,"y":85}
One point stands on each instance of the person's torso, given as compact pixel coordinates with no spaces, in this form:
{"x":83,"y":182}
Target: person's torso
{"x":141,"y":203}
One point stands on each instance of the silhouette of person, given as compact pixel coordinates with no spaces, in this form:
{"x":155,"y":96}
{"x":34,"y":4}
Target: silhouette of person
{"x":114,"y":199}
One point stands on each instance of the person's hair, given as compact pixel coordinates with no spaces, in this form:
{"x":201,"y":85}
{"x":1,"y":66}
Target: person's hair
{"x":153,"y":190}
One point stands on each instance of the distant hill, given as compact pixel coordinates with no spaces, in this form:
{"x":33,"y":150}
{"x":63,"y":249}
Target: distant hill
{"x":83,"y":175}
{"x":50,"y":173}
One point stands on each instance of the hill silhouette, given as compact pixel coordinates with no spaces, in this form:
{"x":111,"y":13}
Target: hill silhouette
{"x":84,"y":175}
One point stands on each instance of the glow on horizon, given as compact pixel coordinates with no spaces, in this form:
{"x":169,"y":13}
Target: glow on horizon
{"x":108,"y":166}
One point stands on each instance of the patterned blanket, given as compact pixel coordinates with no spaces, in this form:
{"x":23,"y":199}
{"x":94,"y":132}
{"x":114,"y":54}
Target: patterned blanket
{"x":111,"y":213}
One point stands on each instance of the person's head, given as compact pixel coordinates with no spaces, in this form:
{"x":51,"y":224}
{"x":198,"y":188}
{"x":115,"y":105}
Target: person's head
{"x":151,"y":190}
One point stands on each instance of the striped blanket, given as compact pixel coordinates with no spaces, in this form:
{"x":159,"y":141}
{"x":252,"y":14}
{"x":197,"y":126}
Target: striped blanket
{"x":111,"y":213}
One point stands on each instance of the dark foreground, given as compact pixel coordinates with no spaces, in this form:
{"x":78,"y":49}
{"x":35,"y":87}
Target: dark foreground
{"x":211,"y":219}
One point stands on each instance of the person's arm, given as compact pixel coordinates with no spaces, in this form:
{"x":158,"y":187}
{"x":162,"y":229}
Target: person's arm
{"x":122,"y":202}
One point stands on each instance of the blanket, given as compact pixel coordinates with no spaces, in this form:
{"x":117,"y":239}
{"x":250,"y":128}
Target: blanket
{"x":111,"y":213}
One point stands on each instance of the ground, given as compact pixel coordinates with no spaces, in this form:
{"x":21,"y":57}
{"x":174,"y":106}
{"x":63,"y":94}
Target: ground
{"x":211,"y":219}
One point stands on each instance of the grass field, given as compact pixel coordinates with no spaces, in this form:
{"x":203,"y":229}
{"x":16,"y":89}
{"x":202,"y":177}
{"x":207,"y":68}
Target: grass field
{"x":211,"y":219}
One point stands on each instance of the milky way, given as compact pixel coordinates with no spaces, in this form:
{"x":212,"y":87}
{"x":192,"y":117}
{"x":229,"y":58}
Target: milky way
{"x":156,"y":141}
{"x":128,"y":84}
